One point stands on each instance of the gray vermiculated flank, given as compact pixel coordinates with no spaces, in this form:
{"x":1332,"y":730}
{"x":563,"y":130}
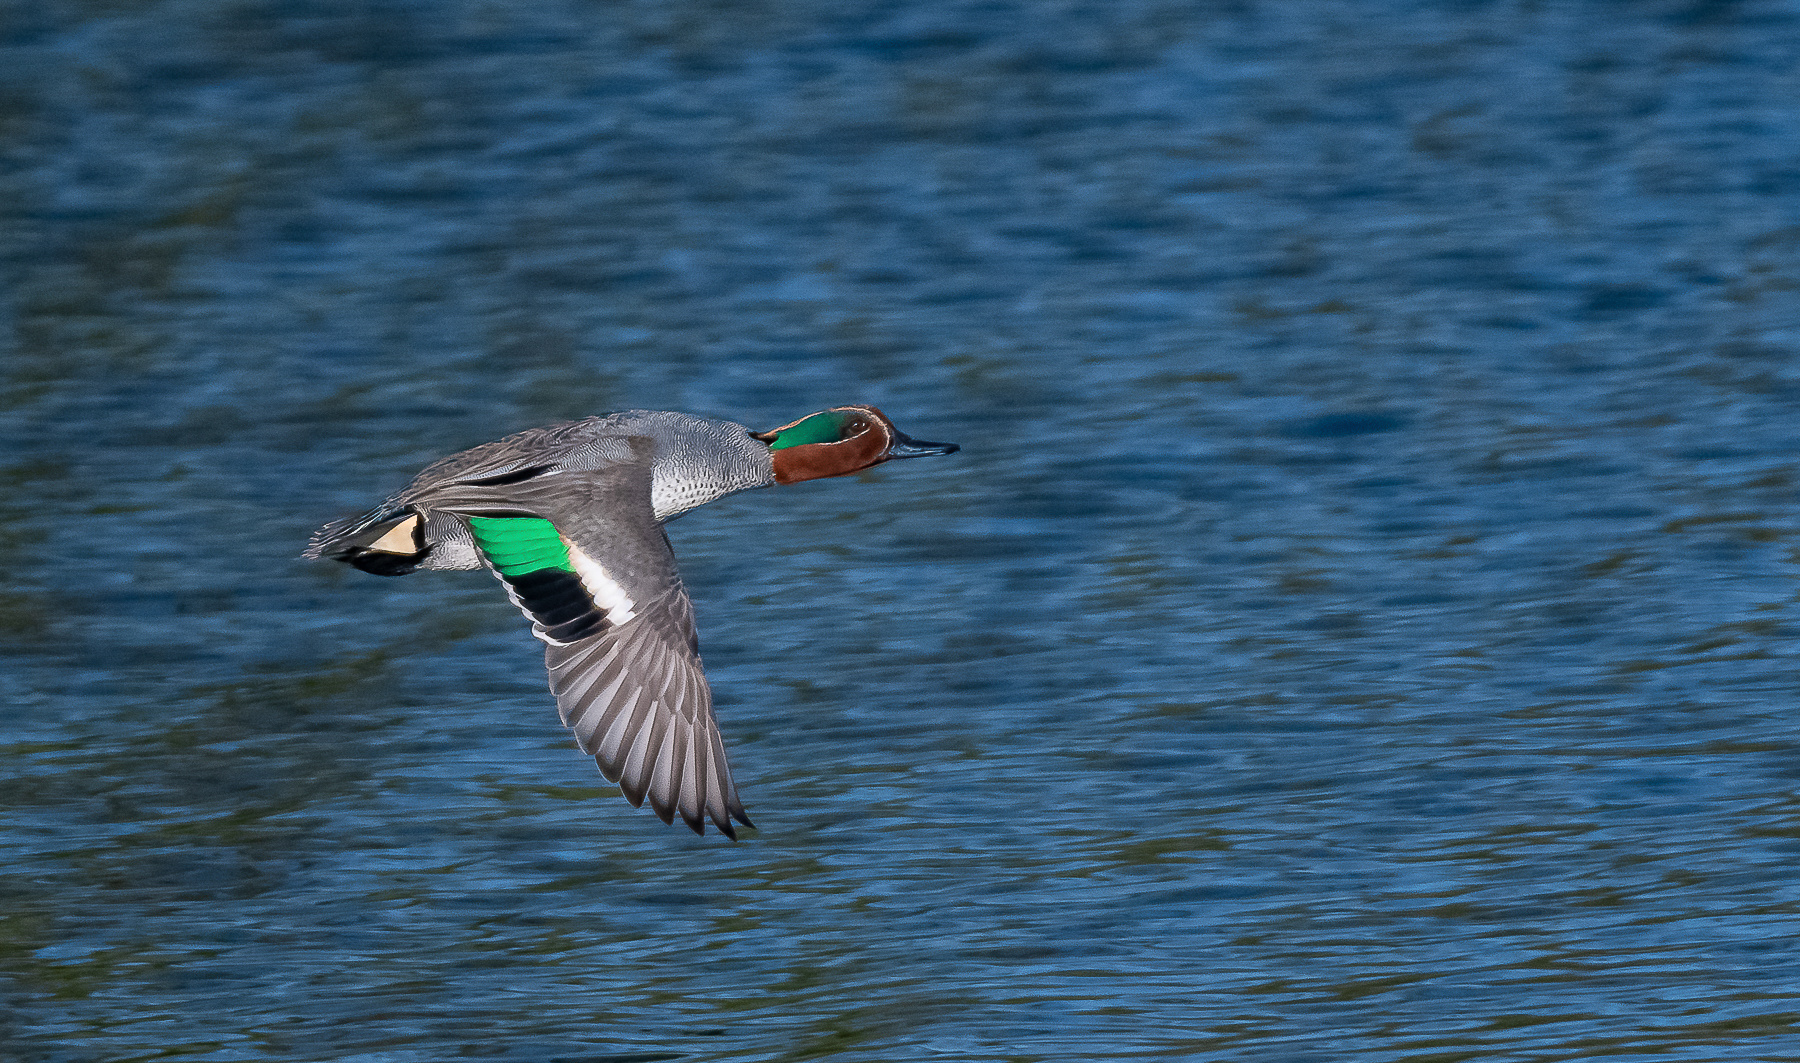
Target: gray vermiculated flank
{"x":695,"y":460}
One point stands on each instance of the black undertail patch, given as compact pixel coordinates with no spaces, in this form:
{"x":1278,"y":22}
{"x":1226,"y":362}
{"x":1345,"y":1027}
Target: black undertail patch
{"x":382,"y":563}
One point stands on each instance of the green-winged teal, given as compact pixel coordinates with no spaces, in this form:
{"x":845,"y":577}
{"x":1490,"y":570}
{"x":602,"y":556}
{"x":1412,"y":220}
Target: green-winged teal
{"x":569,"y":517}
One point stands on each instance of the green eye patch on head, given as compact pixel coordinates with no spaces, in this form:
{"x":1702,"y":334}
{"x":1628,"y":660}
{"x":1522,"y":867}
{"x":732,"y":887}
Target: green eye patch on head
{"x":827,"y":427}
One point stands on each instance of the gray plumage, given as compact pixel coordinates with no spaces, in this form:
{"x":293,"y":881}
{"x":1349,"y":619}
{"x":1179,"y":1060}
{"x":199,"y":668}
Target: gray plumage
{"x":632,"y":689}
{"x":570,"y":519}
{"x":695,"y":460}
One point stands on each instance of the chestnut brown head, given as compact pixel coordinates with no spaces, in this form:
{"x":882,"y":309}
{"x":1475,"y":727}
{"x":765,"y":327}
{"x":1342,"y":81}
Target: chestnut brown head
{"x":841,"y":440}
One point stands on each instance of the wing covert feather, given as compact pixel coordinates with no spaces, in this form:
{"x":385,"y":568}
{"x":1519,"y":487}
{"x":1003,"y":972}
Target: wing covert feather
{"x":631,"y":689}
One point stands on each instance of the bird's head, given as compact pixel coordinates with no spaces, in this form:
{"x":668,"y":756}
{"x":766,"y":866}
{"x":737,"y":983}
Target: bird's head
{"x":839,"y":441}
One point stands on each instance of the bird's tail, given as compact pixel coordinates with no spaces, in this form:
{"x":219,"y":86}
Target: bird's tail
{"x":388,"y":540}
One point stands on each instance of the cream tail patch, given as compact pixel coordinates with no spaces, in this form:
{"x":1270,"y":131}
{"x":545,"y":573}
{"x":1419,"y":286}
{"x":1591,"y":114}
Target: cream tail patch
{"x":402,"y":538}
{"x":607,"y":594}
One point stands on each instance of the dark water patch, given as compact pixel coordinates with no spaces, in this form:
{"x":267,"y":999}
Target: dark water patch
{"x":1339,"y":425}
{"x":1621,"y":298}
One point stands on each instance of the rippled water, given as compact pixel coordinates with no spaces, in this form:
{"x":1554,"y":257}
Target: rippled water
{"x":1360,"y":624}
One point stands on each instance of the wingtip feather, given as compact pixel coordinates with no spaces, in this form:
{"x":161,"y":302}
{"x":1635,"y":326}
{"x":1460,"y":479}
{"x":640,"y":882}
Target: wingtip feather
{"x":641,"y":707}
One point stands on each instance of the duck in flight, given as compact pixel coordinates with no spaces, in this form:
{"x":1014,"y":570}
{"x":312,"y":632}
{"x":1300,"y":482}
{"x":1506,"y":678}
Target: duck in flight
{"x":570,"y":518}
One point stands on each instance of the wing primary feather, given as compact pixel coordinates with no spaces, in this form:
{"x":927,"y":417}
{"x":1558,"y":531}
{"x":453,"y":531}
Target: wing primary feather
{"x":694,"y":708}
{"x":612,"y":744}
{"x":657,"y":763}
{"x":665,"y":769}
{"x":613,"y":717}
{"x":633,"y":713}
{"x":576,"y":707}
{"x":578,"y":675}
{"x":727,"y":789}
{"x":636,"y":698}
{"x":585,"y":710}
{"x":675,"y":765}
{"x":635,"y":777}
{"x":664,"y":777}
{"x":692,"y":812}
{"x":710,"y":774}
{"x":570,"y":668}
{"x":585,"y":724}
{"x":627,"y":708}
{"x":710,"y":791}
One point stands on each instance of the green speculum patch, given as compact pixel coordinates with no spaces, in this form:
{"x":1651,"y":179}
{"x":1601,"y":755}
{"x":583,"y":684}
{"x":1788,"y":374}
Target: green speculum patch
{"x":517,"y":545}
{"x":819,"y":428}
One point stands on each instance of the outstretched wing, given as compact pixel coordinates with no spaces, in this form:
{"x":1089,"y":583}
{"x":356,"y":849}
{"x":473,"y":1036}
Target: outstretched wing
{"x":636,"y":698}
{"x":581,"y":555}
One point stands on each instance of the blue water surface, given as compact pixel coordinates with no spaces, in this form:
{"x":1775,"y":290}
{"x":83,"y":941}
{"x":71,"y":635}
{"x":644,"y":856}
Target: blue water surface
{"x":1361,"y":623}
